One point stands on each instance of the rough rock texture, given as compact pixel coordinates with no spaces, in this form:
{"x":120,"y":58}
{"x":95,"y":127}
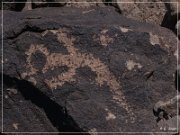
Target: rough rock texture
{"x":84,"y":4}
{"x":50,"y":3}
{"x":147,"y":12}
{"x":46,"y":3}
{"x":34,"y":3}
{"x":157,"y":12}
{"x":12,"y":6}
{"x":174,"y":7}
{"x":68,"y":69}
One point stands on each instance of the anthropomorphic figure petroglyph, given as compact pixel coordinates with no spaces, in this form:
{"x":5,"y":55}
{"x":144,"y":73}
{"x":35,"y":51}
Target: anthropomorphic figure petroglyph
{"x":73,"y":61}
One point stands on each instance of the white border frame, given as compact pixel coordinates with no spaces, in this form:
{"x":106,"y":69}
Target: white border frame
{"x":177,"y":3}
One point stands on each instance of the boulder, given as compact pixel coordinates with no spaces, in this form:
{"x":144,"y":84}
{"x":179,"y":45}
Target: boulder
{"x":84,"y":70}
{"x":148,"y":12}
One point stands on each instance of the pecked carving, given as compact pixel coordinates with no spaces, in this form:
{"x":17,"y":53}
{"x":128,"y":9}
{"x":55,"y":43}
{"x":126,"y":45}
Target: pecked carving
{"x":73,"y":61}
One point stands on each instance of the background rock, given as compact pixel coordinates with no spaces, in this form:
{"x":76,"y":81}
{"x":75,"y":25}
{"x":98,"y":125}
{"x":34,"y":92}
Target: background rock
{"x":84,"y":4}
{"x":174,"y":7}
{"x":51,"y":3}
{"x":46,"y":3}
{"x":147,"y":12}
{"x":158,"y":12}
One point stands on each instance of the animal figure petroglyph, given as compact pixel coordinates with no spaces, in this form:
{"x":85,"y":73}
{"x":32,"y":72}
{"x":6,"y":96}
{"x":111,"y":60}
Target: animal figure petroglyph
{"x":73,"y":61}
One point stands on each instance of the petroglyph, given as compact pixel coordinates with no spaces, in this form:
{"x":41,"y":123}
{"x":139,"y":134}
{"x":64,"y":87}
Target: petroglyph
{"x":124,"y":29}
{"x":110,"y":116}
{"x":154,"y":39}
{"x":15,"y":126}
{"x":104,"y":38}
{"x":73,"y":61}
{"x":130,"y":64}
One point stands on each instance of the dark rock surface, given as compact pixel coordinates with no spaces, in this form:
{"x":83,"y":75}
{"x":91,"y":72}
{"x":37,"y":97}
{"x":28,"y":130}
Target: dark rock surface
{"x":171,"y":18}
{"x":12,"y":5}
{"x":68,"y":69}
{"x":19,"y":5}
{"x":159,"y":12}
